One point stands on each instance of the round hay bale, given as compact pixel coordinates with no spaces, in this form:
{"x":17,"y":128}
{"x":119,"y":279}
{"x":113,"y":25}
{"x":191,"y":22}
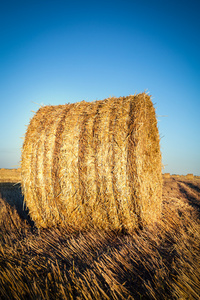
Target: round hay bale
{"x":166,"y":175}
{"x":190,"y":176}
{"x":93,"y":165}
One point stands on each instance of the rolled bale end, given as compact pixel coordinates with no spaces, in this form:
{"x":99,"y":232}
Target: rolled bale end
{"x":94,"y":165}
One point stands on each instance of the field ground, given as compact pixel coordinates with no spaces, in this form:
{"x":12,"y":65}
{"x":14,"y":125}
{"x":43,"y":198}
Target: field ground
{"x":159,"y":262}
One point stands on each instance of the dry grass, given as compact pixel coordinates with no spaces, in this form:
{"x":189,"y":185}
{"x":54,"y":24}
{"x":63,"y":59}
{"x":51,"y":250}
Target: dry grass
{"x":159,"y":262}
{"x":94,"y":165}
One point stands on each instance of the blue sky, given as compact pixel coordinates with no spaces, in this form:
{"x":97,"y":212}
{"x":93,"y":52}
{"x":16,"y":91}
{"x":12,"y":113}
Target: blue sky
{"x":56,"y":52}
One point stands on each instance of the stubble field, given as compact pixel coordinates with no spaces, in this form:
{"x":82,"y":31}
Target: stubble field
{"x":159,"y":262}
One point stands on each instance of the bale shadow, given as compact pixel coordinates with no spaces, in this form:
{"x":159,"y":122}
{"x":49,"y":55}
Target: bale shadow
{"x":12,"y":194}
{"x":192,"y":200}
{"x":192,"y":186}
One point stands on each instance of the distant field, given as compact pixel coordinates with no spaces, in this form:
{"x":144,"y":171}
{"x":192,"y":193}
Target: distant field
{"x":10,"y":175}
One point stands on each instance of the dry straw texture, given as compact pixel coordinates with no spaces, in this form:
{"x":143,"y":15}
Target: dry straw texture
{"x":94,"y":165}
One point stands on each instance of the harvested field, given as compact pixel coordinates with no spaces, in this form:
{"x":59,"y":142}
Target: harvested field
{"x":159,"y":262}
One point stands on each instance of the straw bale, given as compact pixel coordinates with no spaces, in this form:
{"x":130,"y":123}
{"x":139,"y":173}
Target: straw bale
{"x":190,"y":176}
{"x":166,"y":175}
{"x":94,"y":165}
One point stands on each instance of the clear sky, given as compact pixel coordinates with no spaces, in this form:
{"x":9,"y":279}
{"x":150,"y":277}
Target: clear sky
{"x":56,"y":52}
